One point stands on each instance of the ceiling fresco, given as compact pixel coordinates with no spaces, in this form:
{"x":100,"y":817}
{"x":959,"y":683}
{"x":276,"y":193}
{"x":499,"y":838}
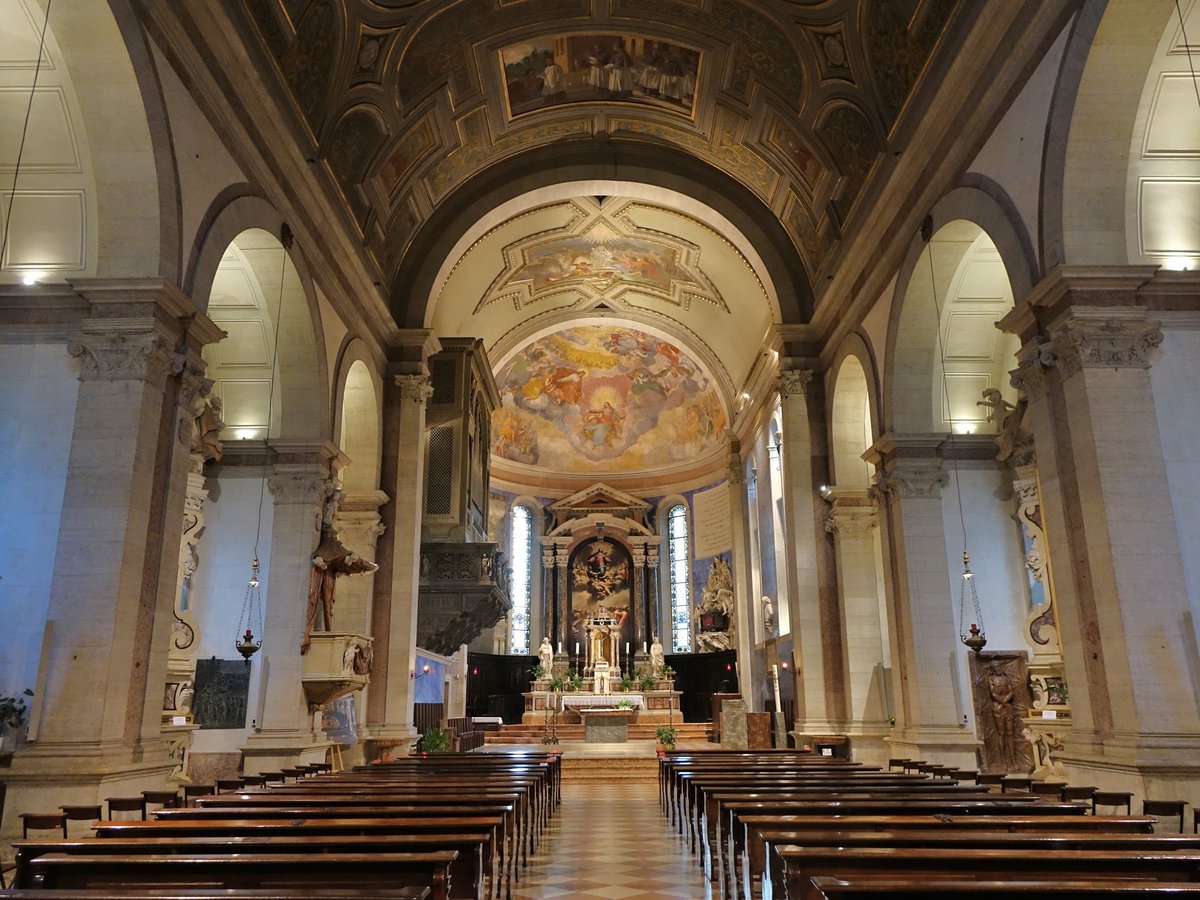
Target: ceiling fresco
{"x":605,"y":399}
{"x":607,"y":259}
{"x":408,"y":100}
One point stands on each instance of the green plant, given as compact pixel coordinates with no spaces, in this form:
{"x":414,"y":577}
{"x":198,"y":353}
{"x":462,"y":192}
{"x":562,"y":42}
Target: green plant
{"x":557,"y":683}
{"x":627,"y":682}
{"x":625,"y":704}
{"x":435,"y":740}
{"x":574,"y":682}
{"x":539,"y":672}
{"x":665,"y":735}
{"x":12,"y":710}
{"x":646,"y":683}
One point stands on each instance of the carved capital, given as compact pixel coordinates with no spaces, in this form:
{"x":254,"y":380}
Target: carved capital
{"x":1112,"y":343}
{"x":1029,"y":377}
{"x":360,"y":531}
{"x":794,"y":381}
{"x":308,"y":488}
{"x":850,"y":522}
{"x":114,"y":356}
{"x":547,"y":557}
{"x":416,"y":388}
{"x":913,"y":481}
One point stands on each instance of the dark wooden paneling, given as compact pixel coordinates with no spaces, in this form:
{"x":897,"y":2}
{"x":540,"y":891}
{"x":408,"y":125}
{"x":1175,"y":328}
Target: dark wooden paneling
{"x":495,"y":683}
{"x":700,"y":675}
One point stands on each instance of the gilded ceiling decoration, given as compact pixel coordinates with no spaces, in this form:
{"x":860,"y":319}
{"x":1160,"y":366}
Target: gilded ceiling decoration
{"x":605,"y":399}
{"x":409,"y":100}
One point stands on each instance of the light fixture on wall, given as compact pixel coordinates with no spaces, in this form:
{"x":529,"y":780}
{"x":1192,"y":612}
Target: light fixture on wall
{"x":976,"y":636}
{"x":30,"y":278}
{"x":252,"y":603}
{"x":425,"y":670}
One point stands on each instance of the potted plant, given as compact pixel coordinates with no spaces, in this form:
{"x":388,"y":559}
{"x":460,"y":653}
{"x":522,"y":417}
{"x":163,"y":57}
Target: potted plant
{"x":574,"y":682}
{"x":12,"y":718}
{"x":541,"y":678}
{"x":435,"y":740}
{"x":625,"y":704}
{"x":665,"y":735}
{"x":647,"y":683}
{"x":557,"y":683}
{"x":627,"y":683}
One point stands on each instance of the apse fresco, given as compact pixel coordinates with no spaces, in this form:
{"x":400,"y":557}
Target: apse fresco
{"x":597,"y":398}
{"x":560,"y":262}
{"x":582,"y":68}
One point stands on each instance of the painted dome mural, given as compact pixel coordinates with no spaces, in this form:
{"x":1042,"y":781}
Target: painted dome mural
{"x":604,"y":399}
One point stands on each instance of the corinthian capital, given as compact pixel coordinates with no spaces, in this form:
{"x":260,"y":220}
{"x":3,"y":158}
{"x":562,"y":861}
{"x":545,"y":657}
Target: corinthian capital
{"x":1111,"y":343}
{"x":794,"y":381}
{"x":913,"y":481}
{"x":105,"y":356}
{"x":415,"y":388}
{"x":849,"y":522}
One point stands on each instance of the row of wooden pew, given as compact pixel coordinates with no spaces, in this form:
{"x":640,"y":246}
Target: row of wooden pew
{"x":767,"y":824}
{"x":451,"y":825}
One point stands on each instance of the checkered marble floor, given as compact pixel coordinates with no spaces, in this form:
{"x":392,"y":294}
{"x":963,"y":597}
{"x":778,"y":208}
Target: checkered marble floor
{"x":612,"y":841}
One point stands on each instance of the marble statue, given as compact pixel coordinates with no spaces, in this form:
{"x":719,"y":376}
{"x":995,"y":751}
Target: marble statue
{"x":657,"y":659}
{"x":768,"y":608}
{"x":546,"y":656}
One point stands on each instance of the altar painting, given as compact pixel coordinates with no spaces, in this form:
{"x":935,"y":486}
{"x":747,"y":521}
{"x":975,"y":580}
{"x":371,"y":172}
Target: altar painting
{"x":605,"y":399}
{"x":600,"y":577}
{"x":582,"y":68}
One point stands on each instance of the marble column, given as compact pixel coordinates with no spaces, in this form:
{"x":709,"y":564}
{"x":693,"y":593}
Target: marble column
{"x":811,"y":601}
{"x":749,"y":669}
{"x":299,"y":485}
{"x":394,"y":604}
{"x":655,"y":621}
{"x":854,"y":523}
{"x":562,"y":590}
{"x":925,"y":641}
{"x":1119,"y":583}
{"x":639,"y":606}
{"x":95,"y":726}
{"x":549,"y":628}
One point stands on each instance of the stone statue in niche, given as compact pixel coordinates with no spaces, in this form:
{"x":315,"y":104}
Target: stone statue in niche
{"x":768,"y":609}
{"x":546,"y":656}
{"x":331,"y":560}
{"x":1000,"y":682}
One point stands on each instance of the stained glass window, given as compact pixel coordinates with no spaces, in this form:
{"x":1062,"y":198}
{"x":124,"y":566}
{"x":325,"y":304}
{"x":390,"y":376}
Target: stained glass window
{"x":677,"y":559}
{"x":522,"y":573}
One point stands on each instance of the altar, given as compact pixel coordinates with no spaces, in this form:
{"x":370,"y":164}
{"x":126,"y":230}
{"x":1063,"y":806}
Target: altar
{"x":606,"y":724}
{"x":597,"y":701}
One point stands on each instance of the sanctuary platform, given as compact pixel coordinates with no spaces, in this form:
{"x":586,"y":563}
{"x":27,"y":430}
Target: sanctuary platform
{"x":655,"y":707}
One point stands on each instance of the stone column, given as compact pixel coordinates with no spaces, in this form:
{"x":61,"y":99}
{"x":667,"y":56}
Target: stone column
{"x":562,"y":589}
{"x":549,"y":625}
{"x":854,"y":523}
{"x":654,"y":623}
{"x":95,"y":728}
{"x":750,"y":674}
{"x":1119,"y":584}
{"x":359,"y":528}
{"x":394,"y":605}
{"x":926,"y":647}
{"x":811,"y":602}
{"x":300,"y":484}
{"x":640,"y":656}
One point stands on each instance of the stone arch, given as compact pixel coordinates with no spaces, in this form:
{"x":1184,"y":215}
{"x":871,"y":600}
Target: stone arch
{"x":414,"y":282}
{"x":300,"y":399}
{"x":1101,"y":87}
{"x":912,"y":359}
{"x":358,"y":417}
{"x":853,"y":415}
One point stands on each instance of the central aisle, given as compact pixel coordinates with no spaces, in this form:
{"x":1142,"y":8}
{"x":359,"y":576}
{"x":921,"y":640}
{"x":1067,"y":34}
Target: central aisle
{"x":611,"y":840}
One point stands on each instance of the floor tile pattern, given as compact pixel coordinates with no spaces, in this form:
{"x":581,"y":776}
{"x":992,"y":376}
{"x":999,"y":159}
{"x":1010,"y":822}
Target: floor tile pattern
{"x":612,"y":840}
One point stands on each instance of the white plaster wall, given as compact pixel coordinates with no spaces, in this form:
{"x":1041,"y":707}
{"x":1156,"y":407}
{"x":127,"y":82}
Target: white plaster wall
{"x":37,"y":415}
{"x":997,"y":559}
{"x":1177,"y":404}
{"x":219,"y":585}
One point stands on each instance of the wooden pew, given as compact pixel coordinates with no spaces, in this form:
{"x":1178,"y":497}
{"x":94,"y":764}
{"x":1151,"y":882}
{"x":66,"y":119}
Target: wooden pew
{"x":758,"y":849}
{"x":466,"y":874}
{"x":802,"y":864}
{"x":317,"y":828}
{"x":363,"y":870}
{"x":305,"y":892}
{"x":1097,"y":889}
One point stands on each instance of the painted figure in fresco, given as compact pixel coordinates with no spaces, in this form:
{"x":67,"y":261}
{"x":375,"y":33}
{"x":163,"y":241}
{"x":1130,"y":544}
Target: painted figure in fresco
{"x":620,"y":72}
{"x":649,"y":77}
{"x":671,"y":83}
{"x":602,"y":426}
{"x":595,"y":62}
{"x":565,"y":384}
{"x":554,"y":83}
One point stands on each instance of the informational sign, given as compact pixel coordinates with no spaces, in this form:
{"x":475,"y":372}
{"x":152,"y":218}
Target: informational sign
{"x":714,"y":523}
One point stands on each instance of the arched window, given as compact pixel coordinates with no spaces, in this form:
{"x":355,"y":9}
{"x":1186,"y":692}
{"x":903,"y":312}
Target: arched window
{"x":681,"y":597}
{"x":522,"y":572}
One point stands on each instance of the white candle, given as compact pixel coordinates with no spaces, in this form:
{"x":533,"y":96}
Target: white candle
{"x":577,"y":648}
{"x":645,"y":647}
{"x":560,"y":646}
{"x":627,"y":648}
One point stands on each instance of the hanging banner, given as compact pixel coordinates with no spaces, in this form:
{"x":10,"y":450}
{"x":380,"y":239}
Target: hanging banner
{"x":714,"y":524}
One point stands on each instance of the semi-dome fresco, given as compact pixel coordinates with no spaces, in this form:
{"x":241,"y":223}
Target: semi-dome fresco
{"x":596,"y":398}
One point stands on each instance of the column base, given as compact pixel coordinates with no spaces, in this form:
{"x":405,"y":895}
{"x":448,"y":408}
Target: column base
{"x":1157,"y":766}
{"x":945,"y":746}
{"x":43,"y":776}
{"x":270,"y":751}
{"x":388,"y":742}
